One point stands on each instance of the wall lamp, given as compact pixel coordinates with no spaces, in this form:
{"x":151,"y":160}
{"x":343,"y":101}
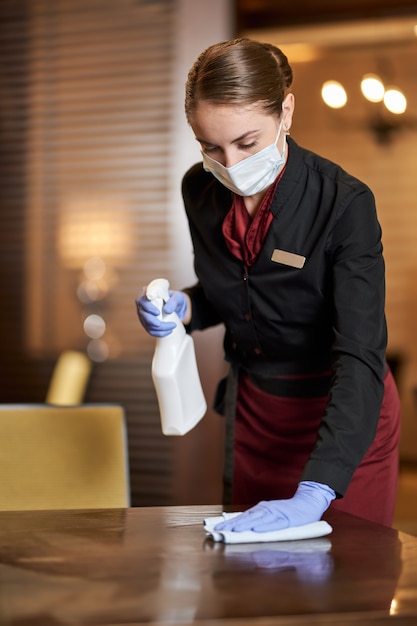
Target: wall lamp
{"x":385,"y":119}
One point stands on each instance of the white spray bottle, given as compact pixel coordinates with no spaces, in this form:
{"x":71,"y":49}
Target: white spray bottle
{"x":174,"y":370}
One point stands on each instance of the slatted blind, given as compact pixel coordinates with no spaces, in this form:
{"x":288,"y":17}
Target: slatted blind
{"x":85,"y":111}
{"x":97,"y":156}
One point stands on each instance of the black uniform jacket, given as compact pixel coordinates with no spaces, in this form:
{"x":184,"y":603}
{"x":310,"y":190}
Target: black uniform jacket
{"x":283,"y":319}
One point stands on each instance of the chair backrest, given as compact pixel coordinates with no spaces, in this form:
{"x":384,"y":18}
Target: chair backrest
{"x":63,"y":457}
{"x":69,"y":378}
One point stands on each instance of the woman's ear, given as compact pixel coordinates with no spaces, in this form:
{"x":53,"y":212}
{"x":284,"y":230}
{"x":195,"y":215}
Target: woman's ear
{"x":288,"y":111}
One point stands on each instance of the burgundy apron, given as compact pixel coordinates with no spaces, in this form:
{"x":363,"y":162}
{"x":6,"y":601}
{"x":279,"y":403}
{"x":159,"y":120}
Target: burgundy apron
{"x":274,"y":436}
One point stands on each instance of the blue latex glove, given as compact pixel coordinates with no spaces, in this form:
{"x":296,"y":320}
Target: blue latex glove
{"x":148,"y":313}
{"x":307,"y":505}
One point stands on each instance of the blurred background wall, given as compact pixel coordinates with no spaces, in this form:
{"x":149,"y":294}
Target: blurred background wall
{"x":94,"y":144}
{"x":93,"y":148}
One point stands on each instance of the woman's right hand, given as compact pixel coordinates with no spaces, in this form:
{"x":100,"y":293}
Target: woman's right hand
{"x":148,"y":313}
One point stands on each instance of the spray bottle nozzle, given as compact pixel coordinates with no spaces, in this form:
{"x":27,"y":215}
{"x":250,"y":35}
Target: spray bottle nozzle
{"x":158,"y":290}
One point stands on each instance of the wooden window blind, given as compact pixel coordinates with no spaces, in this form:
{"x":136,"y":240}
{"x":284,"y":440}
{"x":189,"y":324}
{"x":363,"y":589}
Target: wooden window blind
{"x":85,"y":149}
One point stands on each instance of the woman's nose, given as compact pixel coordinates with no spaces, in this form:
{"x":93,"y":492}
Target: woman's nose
{"x":230,"y":159}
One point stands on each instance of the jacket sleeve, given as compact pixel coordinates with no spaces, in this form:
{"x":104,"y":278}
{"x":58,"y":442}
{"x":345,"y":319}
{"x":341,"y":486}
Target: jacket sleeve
{"x":203,"y":314}
{"x":360,"y":337}
{"x":201,"y":209}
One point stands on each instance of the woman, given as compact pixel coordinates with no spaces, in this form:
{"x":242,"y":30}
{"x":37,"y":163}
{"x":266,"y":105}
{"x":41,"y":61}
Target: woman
{"x":288,"y":256}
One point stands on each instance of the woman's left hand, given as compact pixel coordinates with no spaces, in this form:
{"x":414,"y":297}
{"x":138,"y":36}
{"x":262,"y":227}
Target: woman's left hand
{"x":307,"y":505}
{"x":149,"y":314}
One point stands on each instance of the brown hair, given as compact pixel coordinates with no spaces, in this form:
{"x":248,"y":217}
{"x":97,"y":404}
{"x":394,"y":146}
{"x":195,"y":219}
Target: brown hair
{"x":239,"y":71}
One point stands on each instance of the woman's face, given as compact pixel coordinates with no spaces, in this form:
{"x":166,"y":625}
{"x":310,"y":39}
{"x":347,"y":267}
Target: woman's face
{"x":230,"y":133}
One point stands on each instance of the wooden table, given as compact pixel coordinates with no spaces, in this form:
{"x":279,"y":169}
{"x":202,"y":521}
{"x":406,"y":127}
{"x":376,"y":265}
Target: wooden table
{"x":154,"y":565}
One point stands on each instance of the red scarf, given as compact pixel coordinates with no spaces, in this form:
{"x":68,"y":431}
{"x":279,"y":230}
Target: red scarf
{"x":245,"y":236}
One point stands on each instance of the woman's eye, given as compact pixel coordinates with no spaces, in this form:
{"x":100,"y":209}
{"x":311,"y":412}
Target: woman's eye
{"x":210,"y":149}
{"x":247,"y":146}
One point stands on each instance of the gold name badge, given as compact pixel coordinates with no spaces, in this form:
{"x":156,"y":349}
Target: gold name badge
{"x":288,"y":258}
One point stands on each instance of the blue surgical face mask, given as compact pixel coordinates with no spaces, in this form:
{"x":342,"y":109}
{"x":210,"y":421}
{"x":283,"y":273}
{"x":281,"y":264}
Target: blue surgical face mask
{"x":251,"y":175}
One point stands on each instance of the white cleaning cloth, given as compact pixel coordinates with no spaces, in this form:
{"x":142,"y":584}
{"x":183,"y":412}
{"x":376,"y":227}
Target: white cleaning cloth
{"x":307,"y":531}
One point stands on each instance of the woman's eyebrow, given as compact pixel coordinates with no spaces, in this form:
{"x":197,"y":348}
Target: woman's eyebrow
{"x":206,"y":143}
{"x":245,"y":135}
{"x":237,"y":140}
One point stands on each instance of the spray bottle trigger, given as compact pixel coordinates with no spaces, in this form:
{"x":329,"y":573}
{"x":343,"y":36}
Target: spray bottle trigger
{"x":158,"y":292}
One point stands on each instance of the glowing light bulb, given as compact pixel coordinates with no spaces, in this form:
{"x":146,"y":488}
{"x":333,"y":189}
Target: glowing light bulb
{"x":395,"y":101}
{"x":334,"y":94}
{"x":372,"y":88}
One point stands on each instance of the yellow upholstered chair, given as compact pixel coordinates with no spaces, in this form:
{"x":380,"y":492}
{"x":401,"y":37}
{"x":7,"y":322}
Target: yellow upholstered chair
{"x":69,"y":378}
{"x":63,"y":457}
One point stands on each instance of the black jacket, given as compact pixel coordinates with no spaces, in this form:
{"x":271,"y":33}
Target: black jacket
{"x":282,"y":319}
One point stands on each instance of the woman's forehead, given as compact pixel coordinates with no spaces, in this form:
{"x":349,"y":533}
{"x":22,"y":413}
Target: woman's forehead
{"x":210,"y":117}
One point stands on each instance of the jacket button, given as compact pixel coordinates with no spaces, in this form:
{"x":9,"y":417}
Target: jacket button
{"x":257,"y":351}
{"x":247,"y":317}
